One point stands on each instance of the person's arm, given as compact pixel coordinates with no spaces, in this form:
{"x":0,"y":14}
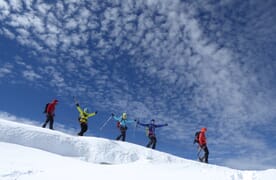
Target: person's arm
{"x":142,"y":124}
{"x":130,"y":121}
{"x":117,"y":118}
{"x":79,"y":108}
{"x":160,"y":125}
{"x":92,"y":114}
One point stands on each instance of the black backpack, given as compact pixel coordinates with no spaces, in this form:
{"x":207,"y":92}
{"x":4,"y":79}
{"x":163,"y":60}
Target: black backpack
{"x":196,"y":140}
{"x":45,"y":109}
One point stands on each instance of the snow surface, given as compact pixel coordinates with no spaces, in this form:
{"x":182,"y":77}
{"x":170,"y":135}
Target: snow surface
{"x":32,"y":153}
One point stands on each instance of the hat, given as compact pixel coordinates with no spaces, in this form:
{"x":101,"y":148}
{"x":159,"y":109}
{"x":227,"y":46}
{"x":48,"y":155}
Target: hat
{"x":85,"y":110}
{"x":124,"y":115}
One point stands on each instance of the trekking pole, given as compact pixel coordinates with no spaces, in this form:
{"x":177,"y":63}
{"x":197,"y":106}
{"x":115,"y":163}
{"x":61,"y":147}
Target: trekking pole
{"x":105,"y":123}
{"x":75,"y":100}
{"x":198,"y":153}
{"x":135,"y":127}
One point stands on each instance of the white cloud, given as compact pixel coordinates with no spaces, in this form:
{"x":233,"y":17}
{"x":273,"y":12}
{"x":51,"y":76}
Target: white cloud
{"x":23,"y":33}
{"x":8,"y":116}
{"x":28,"y":4}
{"x":5,"y":70}
{"x":42,"y":8}
{"x":31,"y":75}
{"x":8,"y":33}
{"x":4,"y":10}
{"x":16,"y":5}
{"x":71,"y":24}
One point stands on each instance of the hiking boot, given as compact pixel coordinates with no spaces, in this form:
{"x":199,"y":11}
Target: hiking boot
{"x":201,"y":159}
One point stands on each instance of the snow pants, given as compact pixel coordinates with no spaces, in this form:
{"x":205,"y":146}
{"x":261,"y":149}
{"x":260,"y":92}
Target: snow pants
{"x":84,"y":128}
{"x":152,"y":142}
{"x":206,"y":153}
{"x":49,"y":118}
{"x":123,"y":130}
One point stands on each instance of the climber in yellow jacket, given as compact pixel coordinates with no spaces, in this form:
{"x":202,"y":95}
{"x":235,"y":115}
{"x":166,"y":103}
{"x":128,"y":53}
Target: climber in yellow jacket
{"x":83,"y":118}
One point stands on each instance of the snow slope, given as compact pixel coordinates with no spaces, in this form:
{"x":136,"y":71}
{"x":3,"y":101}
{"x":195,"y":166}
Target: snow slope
{"x":31,"y":153}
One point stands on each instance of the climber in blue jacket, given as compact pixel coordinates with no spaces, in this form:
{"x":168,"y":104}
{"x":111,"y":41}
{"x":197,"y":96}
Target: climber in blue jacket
{"x":122,"y":125}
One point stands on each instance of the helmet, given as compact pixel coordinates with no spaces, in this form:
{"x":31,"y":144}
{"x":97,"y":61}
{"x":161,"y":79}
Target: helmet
{"x":124,"y":116}
{"x":203,"y":129}
{"x":85,"y":110}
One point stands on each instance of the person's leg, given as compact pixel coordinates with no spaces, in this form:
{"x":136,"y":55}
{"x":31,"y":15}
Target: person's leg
{"x":83,"y":129}
{"x":46,"y":121}
{"x":51,"y":119}
{"x":154,"y":140}
{"x":150,"y":141}
{"x":206,"y":155}
{"x":120,"y":136}
{"x":124,"y":134}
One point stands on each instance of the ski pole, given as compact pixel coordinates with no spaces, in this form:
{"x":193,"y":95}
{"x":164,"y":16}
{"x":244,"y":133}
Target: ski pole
{"x":105,"y":123}
{"x":135,"y":127}
{"x":198,"y":152}
{"x":75,"y":100}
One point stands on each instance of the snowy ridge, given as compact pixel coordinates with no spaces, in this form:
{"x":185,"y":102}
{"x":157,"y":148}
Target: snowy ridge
{"x":29,"y":153}
{"x":91,"y":149}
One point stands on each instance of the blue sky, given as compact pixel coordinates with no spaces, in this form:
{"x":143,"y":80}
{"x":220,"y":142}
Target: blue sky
{"x":187,"y":63}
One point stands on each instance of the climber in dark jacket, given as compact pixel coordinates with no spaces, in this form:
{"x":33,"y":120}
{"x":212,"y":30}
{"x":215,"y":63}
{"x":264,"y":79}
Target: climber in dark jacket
{"x":151,"y":132}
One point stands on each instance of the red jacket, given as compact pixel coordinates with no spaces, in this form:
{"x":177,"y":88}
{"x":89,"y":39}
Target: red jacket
{"x":202,"y":138}
{"x":51,"y":107}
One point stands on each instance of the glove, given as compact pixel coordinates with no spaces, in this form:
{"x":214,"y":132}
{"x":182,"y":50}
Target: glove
{"x":96,"y":112}
{"x":112,"y":114}
{"x":77,"y":104}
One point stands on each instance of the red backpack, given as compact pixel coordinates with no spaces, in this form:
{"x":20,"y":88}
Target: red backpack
{"x":118,"y":124}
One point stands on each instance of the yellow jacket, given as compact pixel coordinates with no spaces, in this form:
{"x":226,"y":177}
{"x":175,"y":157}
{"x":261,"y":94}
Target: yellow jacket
{"x":84,"y":116}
